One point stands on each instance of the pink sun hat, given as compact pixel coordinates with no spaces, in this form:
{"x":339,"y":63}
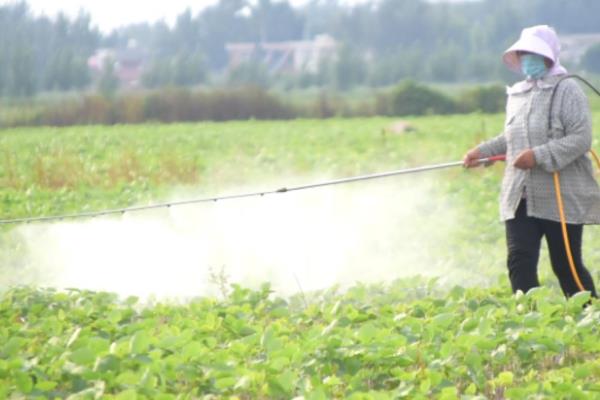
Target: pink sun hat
{"x":539,"y":39}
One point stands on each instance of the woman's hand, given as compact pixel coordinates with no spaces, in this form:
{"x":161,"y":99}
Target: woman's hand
{"x":525,"y":160}
{"x":471,"y":159}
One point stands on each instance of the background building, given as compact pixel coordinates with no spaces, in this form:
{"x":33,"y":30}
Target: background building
{"x":285,"y":56}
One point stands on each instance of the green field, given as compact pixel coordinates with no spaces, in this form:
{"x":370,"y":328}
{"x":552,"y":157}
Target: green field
{"x":454,"y":332}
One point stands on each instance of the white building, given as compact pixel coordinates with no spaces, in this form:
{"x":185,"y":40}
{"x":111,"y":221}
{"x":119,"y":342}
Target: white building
{"x":290,"y":56}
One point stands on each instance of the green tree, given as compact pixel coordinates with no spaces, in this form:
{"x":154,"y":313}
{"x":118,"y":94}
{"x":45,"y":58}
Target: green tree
{"x":250,"y":73}
{"x":276,"y":21}
{"x":396,"y":66}
{"x":66,"y":71}
{"x":108,"y":82}
{"x":188,"y":70}
{"x":160,"y":73}
{"x":446,"y":65}
{"x":39,"y":53}
{"x":181,"y":70}
{"x":222,"y":23}
{"x":487,"y":99}
{"x":23,"y":80}
{"x":411,"y":98}
{"x":350,"y":68}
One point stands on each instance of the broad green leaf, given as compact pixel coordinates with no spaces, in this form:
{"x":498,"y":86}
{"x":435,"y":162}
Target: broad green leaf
{"x":471,"y":389}
{"x":332,"y":380}
{"x":517,"y":393}
{"x":278,"y":363}
{"x":128,"y":378}
{"x":287,"y":381}
{"x":45,"y":386}
{"x":583,"y":371}
{"x":270,"y":342}
{"x":211,"y":342}
{"x":139,"y":343}
{"x":129,"y":394}
{"x":425,"y":386}
{"x":226,"y":382}
{"x":443,"y":320}
{"x":505,"y":378}
{"x":114,"y":316}
{"x":403,"y":360}
{"x":98,"y":345}
{"x":131,"y":300}
{"x":12,"y":346}
{"x":531,"y":319}
{"x":577,"y":301}
{"x":279,"y":312}
{"x":83,"y":356}
{"x":108,"y":363}
{"x":367,"y":332}
{"x":165,"y":396}
{"x":469,"y":324}
{"x":193,"y":350}
{"x":448,"y":393}
{"x":316,"y":394}
{"x":24,"y":382}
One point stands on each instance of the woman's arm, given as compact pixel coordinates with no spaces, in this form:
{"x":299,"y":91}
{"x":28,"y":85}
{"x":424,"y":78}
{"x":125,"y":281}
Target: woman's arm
{"x":493,"y":147}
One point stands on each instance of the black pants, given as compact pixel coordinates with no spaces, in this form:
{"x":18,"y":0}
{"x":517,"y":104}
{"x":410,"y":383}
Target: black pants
{"x":523,"y":238}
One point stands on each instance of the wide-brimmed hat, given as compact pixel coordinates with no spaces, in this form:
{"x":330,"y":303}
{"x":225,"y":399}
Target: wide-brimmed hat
{"x":539,"y":39}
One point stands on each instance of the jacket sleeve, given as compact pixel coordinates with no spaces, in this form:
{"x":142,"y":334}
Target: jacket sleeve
{"x":493,"y":147}
{"x":576,"y":120}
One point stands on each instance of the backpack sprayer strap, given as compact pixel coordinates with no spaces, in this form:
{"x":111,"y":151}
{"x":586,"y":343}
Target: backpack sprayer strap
{"x":570,"y":76}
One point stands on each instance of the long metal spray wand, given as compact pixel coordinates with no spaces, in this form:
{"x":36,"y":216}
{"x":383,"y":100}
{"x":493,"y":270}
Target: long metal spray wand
{"x":93,"y":214}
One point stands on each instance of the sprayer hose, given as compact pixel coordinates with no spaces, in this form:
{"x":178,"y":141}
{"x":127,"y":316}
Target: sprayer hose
{"x":559,"y":202}
{"x":563,"y":224}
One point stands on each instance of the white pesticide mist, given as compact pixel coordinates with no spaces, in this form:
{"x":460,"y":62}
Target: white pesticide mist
{"x":365,"y":232}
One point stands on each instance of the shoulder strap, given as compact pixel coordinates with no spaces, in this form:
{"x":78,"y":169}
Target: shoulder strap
{"x":556,"y":87}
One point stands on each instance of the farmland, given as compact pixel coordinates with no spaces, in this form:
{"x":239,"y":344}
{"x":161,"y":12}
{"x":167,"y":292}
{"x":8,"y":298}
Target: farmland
{"x":405,"y":337}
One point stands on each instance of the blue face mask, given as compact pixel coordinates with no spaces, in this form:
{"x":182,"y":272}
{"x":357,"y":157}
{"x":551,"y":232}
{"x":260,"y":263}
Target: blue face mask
{"x":533,"y":66}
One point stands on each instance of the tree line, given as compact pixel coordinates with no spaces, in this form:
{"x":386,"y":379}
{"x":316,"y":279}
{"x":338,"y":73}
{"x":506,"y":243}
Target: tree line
{"x":43,"y":54}
{"x":382,"y":42}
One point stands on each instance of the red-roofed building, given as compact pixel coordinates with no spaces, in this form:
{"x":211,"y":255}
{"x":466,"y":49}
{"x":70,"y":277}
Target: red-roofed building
{"x":128,"y":64}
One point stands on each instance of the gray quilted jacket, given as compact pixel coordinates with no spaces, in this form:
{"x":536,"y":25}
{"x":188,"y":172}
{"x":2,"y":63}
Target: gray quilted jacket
{"x":563,"y":149}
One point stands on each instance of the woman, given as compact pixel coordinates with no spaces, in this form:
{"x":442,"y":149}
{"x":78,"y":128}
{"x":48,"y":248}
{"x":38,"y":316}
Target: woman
{"x":533,"y":153}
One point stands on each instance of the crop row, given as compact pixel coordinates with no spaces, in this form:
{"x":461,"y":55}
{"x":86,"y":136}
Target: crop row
{"x":406,"y":340}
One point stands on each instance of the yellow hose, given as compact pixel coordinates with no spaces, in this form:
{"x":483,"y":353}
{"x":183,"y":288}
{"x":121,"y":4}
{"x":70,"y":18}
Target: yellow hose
{"x":563,"y":223}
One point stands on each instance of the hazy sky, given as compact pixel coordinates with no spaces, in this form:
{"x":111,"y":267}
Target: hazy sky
{"x":108,"y":14}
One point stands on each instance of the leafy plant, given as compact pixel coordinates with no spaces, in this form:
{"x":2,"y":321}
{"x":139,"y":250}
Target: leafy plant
{"x":413,"y":338}
{"x":465,"y":342}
